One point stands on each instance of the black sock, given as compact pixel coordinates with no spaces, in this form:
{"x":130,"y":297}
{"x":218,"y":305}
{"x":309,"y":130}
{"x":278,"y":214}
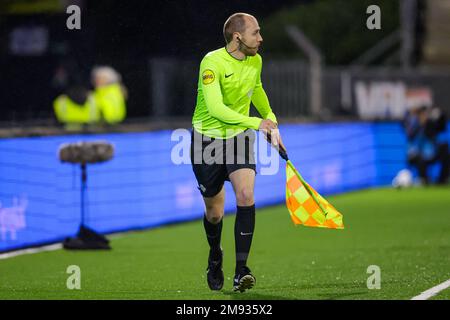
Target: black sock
{"x":213,"y":235}
{"x":243,"y":233}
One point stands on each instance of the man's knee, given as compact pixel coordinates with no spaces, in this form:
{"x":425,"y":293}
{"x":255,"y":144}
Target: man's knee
{"x":245,"y":197}
{"x":214,"y":213}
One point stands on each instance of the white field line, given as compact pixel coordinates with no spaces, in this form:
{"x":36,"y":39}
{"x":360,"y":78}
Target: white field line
{"x":433,"y":291}
{"x":12,"y":254}
{"x":51,"y":247}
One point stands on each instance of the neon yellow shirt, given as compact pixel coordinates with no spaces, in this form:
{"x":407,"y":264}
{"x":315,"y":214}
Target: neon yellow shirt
{"x":226,"y":86}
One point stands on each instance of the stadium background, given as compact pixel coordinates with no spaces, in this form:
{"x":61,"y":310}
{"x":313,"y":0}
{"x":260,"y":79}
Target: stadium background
{"x":339,"y":117}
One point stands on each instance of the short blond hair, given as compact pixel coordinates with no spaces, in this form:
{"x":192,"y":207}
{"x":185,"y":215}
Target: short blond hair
{"x":235,"y":23}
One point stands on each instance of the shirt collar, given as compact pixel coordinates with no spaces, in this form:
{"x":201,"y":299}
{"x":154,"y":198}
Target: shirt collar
{"x":235,"y":59}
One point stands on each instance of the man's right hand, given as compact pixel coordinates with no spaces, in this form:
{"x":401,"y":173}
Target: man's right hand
{"x":271,"y":133}
{"x":267,"y":125}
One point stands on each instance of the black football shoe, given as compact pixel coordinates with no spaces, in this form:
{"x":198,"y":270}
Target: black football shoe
{"x":214,"y":271}
{"x":243,"y":280}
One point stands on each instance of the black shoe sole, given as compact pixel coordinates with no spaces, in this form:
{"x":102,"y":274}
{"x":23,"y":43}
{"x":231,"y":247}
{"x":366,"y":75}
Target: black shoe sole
{"x":246,"y":282}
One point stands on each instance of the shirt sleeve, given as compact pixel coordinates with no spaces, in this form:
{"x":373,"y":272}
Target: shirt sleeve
{"x":210,"y":80}
{"x":260,"y":100}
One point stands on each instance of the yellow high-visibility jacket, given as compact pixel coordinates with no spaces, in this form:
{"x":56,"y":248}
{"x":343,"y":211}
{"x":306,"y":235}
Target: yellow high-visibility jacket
{"x":110,"y":101}
{"x":68,"y":112}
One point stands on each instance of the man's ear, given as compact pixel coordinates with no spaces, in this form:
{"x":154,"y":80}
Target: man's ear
{"x":238,"y":36}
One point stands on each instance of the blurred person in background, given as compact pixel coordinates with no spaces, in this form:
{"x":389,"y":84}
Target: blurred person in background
{"x":75,"y":108}
{"x":425,"y":130}
{"x":109,"y":94}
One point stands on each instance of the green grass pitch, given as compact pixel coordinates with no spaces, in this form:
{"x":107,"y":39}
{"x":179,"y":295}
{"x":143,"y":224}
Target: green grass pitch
{"x":404,"y":232}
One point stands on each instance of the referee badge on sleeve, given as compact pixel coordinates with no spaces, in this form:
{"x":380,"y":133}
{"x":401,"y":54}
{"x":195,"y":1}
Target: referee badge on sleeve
{"x":208,"y":76}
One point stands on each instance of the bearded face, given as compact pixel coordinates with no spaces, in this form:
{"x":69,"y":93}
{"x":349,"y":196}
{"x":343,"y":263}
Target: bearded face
{"x":251,"y":38}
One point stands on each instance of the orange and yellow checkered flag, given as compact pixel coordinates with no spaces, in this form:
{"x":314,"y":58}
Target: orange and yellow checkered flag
{"x":306,"y":206}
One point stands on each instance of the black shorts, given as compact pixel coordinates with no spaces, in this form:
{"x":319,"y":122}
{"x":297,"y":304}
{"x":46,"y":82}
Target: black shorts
{"x":213,"y":160}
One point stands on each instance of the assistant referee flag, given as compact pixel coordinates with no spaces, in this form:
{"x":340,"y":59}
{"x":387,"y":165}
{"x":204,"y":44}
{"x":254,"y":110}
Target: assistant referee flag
{"x":306,"y":206}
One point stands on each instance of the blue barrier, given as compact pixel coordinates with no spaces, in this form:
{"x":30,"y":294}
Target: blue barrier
{"x":142,"y":188}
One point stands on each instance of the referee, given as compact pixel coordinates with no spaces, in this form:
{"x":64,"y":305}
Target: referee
{"x":222,"y":144}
